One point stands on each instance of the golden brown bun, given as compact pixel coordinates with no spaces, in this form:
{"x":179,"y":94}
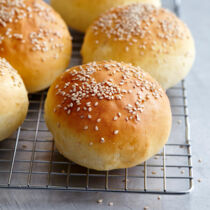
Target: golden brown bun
{"x":79,"y":14}
{"x":107,"y":115}
{"x":13,"y":100}
{"x":35,"y":41}
{"x":154,"y":39}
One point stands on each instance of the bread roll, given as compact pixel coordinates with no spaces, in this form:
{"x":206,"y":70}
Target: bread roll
{"x":107,"y":115}
{"x":154,"y":39}
{"x":79,"y":14}
{"x":13,"y":100}
{"x":34,"y":40}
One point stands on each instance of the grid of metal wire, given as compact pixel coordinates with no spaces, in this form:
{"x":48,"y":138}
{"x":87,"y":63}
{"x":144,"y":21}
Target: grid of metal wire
{"x":29,"y":159}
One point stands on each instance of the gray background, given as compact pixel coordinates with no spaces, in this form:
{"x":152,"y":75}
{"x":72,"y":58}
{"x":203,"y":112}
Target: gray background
{"x":197,"y":15}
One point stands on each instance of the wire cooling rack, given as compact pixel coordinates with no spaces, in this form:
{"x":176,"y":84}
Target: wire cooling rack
{"x":29,"y":159}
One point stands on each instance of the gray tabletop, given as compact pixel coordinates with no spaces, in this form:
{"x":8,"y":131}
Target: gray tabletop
{"x":196,"y":14}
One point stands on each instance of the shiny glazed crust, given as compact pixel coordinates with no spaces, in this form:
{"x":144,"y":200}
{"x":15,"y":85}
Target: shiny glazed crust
{"x":35,"y":40}
{"x":154,"y":39}
{"x":107,"y":115}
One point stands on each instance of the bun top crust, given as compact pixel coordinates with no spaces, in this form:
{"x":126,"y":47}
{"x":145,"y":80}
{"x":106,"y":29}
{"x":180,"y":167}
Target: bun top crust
{"x":152,"y":28}
{"x":146,"y":36}
{"x":101,"y":99}
{"x":9,"y":75}
{"x":33,"y":39}
{"x":20,"y":22}
{"x":79,"y":14}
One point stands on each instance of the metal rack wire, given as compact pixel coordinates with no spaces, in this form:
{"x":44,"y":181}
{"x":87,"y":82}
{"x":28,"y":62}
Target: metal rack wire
{"x":29,"y":159}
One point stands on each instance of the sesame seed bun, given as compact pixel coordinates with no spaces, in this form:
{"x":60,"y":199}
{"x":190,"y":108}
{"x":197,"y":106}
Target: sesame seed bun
{"x":35,"y":41}
{"x":154,"y":39}
{"x":80,"y":14}
{"x":107,"y":115}
{"x":13,"y":100}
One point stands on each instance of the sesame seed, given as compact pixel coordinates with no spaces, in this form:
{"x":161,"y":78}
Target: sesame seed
{"x":88,"y":104}
{"x":199,"y":160}
{"x":86,"y":127}
{"x":159,"y":198}
{"x":146,"y":208}
{"x":96,"y":128}
{"x":89,"y":116}
{"x":91,"y":143}
{"x":102,"y":140}
{"x":116,"y":132}
{"x":96,"y":104}
{"x":137,"y":117}
{"x":98,"y":120}
{"x":119,"y":114}
{"x":115,"y":118}
{"x":100,"y":201}
{"x":182,"y":171}
{"x":199,"y":180}
{"x":89,"y":109}
{"x":111,"y":204}
{"x":153,"y":172}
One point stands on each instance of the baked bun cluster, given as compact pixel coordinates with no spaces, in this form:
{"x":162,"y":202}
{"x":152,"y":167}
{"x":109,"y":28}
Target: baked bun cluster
{"x":13,"y":100}
{"x":79,"y":14}
{"x":35,"y":41}
{"x":146,"y":36}
{"x":107,"y":115}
